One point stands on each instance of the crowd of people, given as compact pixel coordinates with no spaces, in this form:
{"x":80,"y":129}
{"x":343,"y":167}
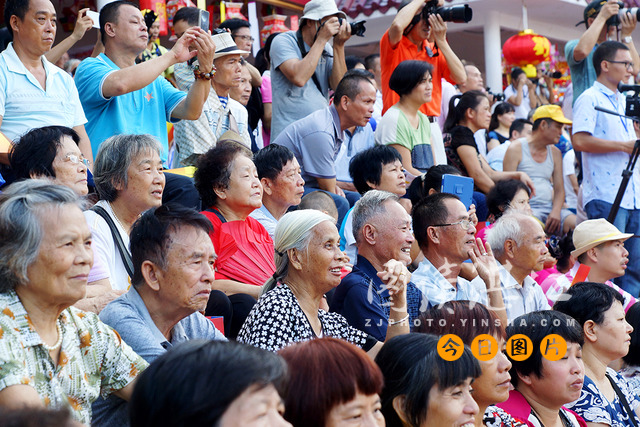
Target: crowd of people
{"x":343,"y":217}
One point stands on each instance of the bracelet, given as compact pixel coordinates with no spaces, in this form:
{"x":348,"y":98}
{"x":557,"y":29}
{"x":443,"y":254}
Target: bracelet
{"x":203,"y":76}
{"x":395,"y":322}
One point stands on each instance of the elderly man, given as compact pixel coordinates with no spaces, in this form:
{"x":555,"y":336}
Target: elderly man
{"x":221,"y":112}
{"x":383,"y":232}
{"x":282,"y":184}
{"x":173,"y":261}
{"x":122,"y":97}
{"x":241,"y":32}
{"x":445,"y":234}
{"x":316,"y":139}
{"x":599,"y":245}
{"x":518,"y":242}
{"x":304,"y":65}
{"x":34,"y":92}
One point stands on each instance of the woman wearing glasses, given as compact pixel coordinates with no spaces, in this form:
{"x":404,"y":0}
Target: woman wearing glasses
{"x":51,"y":151}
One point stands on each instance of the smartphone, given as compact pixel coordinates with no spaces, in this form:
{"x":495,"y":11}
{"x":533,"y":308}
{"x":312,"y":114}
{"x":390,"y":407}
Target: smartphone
{"x":95,"y":17}
{"x":203,"y":18}
{"x":461,"y":186}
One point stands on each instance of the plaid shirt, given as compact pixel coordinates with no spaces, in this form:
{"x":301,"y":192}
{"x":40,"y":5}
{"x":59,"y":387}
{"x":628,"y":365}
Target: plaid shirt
{"x":438,"y":290}
{"x":196,"y":137}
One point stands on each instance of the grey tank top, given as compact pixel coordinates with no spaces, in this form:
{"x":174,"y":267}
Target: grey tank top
{"x":540,"y":174}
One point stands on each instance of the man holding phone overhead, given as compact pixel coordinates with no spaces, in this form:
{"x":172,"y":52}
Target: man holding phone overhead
{"x":121,"y":97}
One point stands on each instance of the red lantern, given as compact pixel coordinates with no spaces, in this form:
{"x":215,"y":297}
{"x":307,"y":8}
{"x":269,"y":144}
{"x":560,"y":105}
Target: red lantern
{"x":526,"y":49}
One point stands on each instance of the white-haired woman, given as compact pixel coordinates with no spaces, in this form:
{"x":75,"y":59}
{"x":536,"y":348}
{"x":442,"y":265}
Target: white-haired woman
{"x":52,"y":354}
{"x":129,"y":177}
{"x":308,"y":265}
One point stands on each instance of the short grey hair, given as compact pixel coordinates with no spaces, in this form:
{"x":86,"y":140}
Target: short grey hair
{"x":114,"y":158}
{"x":369,"y":206}
{"x":294,"y":231}
{"x":21,"y":207}
{"x":508,"y":226}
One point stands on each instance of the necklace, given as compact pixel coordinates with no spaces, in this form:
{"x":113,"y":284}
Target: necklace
{"x":116,"y":217}
{"x":58,"y":343}
{"x":563,"y":418}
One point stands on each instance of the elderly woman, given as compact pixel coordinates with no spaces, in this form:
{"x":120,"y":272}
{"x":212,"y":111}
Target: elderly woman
{"x":492,"y":386}
{"x":421,"y":389}
{"x":211,"y":383}
{"x":543,"y":386}
{"x":52,"y":354}
{"x":228,"y":183}
{"x":51,"y":151}
{"x":331,"y":384}
{"x":129,"y":179}
{"x":309,"y":263}
{"x":606,"y":399}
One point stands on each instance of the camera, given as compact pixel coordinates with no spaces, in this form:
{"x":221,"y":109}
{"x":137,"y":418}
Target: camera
{"x":357,"y":28}
{"x":614,"y":21}
{"x":553,"y":74}
{"x":499,"y":97}
{"x":459,"y":14}
{"x":633,"y":101}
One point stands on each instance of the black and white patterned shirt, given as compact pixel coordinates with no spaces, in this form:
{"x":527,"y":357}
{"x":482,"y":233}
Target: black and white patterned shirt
{"x":277,"y":320}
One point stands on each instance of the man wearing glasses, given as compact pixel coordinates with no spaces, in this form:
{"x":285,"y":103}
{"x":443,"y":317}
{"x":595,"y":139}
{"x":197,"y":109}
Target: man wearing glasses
{"x":606,"y":142}
{"x":446,"y":236}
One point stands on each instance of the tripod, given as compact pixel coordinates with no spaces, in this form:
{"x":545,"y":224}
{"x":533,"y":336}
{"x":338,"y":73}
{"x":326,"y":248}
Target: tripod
{"x":626,"y":174}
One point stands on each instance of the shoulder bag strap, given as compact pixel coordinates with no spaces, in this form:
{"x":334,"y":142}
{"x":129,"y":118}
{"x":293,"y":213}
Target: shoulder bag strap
{"x":216,"y":213}
{"x":303,"y":51}
{"x":623,"y":400}
{"x":124,"y":252}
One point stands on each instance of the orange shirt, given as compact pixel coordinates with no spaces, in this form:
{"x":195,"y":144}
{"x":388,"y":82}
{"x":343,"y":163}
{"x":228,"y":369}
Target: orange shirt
{"x":391,"y":56}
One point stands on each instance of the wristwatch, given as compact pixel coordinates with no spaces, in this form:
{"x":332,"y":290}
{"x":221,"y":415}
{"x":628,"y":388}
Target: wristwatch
{"x":627,"y":39}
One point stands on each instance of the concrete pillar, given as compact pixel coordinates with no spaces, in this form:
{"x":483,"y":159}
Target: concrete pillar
{"x":493,"y":51}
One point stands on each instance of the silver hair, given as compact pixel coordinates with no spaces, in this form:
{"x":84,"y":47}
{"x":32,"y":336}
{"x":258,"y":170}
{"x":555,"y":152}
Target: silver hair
{"x":21,"y":209}
{"x":508,"y":226}
{"x":294,"y":231}
{"x":369,"y":206}
{"x":114,"y":158}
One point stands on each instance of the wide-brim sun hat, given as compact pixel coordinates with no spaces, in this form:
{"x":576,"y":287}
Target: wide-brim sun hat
{"x":315,"y":10}
{"x":593,"y":232}
{"x":226,"y":46}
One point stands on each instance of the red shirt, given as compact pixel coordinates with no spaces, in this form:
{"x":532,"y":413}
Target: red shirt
{"x":244,"y":248}
{"x":391,"y":56}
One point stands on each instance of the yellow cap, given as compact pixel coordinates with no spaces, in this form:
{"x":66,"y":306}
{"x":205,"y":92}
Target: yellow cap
{"x":552,"y":112}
